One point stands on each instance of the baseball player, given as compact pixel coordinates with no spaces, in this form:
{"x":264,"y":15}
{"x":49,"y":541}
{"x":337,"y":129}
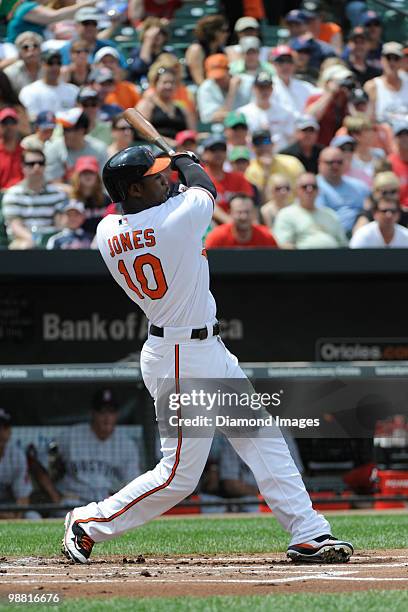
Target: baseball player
{"x":154,"y":252}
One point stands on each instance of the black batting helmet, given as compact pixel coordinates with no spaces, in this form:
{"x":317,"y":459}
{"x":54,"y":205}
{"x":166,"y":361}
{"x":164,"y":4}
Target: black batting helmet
{"x":129,"y":166}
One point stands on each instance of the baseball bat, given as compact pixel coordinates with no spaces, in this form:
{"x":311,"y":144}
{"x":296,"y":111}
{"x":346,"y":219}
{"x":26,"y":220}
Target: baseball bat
{"x":147,"y":130}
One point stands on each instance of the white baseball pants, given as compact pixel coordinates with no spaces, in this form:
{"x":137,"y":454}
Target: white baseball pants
{"x":184,"y":458}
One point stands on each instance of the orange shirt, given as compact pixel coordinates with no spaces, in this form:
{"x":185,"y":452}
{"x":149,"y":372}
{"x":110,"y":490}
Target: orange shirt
{"x":254,"y":8}
{"x":328,"y":30}
{"x":125,"y":95}
{"x":224,"y":236}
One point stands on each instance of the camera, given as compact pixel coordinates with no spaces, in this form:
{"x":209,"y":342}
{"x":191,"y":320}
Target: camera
{"x":348,"y":83}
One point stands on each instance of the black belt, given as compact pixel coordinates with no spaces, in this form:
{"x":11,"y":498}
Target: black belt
{"x":196,"y":334}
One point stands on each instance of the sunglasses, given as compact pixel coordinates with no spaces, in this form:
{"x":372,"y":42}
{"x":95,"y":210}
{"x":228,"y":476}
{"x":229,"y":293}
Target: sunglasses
{"x":309,"y":130}
{"x":348,"y":148}
{"x":55,"y":62}
{"x":392,"y":58}
{"x":331,"y":162}
{"x":282,"y":188}
{"x":309,"y":187}
{"x":90,"y":104}
{"x":89,"y":23}
{"x":284,"y":60}
{"x":389,"y":192}
{"x":373,"y":23}
{"x":80,"y":51}
{"x":9,"y":121}
{"x":217,"y":148}
{"x":28,"y":47}
{"x":383,"y":211}
{"x":37,"y":162}
{"x":68,"y":130}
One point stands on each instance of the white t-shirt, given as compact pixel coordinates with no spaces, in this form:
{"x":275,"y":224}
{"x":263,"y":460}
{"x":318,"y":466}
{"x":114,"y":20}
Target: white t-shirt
{"x":369,"y":236}
{"x":294,"y":95}
{"x":157,"y":257}
{"x":39,"y":96}
{"x":277,"y":118}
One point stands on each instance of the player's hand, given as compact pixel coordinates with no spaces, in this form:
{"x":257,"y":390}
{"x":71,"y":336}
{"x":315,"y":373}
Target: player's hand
{"x":177,"y":156}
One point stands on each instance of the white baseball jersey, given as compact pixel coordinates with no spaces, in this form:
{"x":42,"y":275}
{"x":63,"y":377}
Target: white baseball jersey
{"x":14,"y":479}
{"x":157,"y":257}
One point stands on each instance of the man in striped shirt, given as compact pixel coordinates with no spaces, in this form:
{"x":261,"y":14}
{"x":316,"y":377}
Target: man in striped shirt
{"x":29,"y":206}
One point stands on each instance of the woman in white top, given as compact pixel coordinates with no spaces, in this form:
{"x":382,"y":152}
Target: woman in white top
{"x":365,"y":156}
{"x":388,"y":93}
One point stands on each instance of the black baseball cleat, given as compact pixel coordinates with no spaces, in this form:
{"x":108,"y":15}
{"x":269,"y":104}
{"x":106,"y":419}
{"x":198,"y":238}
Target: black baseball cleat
{"x":76,"y":544}
{"x":323,"y":549}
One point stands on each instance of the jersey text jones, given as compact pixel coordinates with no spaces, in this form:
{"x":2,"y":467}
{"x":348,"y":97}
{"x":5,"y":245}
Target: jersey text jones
{"x":129,"y":241}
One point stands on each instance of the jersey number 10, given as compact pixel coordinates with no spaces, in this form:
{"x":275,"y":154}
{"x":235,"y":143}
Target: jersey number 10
{"x":138,"y":266}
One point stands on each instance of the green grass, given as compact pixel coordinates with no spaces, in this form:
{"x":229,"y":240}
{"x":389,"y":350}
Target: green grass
{"x":205,"y":536}
{"x":369,"y":601}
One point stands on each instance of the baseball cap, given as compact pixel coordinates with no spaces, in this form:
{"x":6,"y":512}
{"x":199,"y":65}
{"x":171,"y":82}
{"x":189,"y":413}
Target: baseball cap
{"x":370,"y":17}
{"x":50,"y":54}
{"x":400,"y":126}
{"x":234,"y":118}
{"x":336,"y":73}
{"x":104,"y":51}
{"x":87,"y":13}
{"x":307,"y":121}
{"x":263,"y":79}
{"x":358,"y":32}
{"x":244,"y":23}
{"x":74,"y":205}
{"x":282,"y":50}
{"x":104,"y":399}
{"x":8,"y":113}
{"x":296,"y":16}
{"x":45,"y":120}
{"x":249,"y":42}
{"x":339,"y":141}
{"x":261,"y":137}
{"x":237,"y":153}
{"x":216,"y":66}
{"x":74,"y":117}
{"x":358,"y":96}
{"x":87,"y":93}
{"x":213,"y":140}
{"x":101,"y":75}
{"x":5,"y":418}
{"x":392,"y":48}
{"x":86,"y":163}
{"x":184,"y":135}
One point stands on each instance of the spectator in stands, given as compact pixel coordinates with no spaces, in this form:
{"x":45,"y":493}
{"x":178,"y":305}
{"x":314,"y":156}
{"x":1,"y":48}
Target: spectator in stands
{"x":268,"y":113}
{"x":236,"y":129}
{"x":75,"y":142}
{"x":244,"y":27}
{"x":34,"y":17}
{"x":304,"y":70}
{"x":211,"y":35}
{"x":343,"y":194}
{"x":98,"y":457}
{"x":72,"y":236}
{"x":278,"y":198}
{"x":267,"y":163}
{"x":384,"y":231}
{"x":388,"y":93}
{"x":347,"y":144}
{"x":99,"y":126}
{"x":365,"y":155}
{"x":373,"y":25}
{"x":78,"y":70}
{"x":139,"y":9}
{"x":357,"y":48}
{"x":102,"y":80}
{"x":385,"y":185}
{"x":239,"y":158}
{"x":44,"y":127}
{"x":296,"y":23}
{"x":326,"y":31}
{"x":153,"y":37}
{"x":227,"y":183}
{"x":29,"y":206}
{"x":319,"y":50}
{"x":27,"y":68}
{"x":355,"y":11}
{"x":49,"y":92}
{"x":10,"y":149}
{"x":399,"y":159}
{"x":330,"y":106}
{"x":305,"y":147}
{"x":122,"y":135}
{"x":289,"y":90}
{"x":303,"y":225}
{"x":158,"y":107}
{"x":186,"y":141}
{"x":242,"y":231}
{"x":221,"y":93}
{"x":86,"y":21}
{"x":250,"y":62}
{"x":86,"y":187}
{"x":124,"y":93}
{"x":182,"y":95}
{"x":15,"y":484}
{"x":9,"y":99}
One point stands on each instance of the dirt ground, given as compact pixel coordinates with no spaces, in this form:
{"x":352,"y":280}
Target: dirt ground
{"x":201,"y":576}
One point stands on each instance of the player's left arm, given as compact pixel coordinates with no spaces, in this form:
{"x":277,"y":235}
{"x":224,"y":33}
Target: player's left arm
{"x":191,"y":172}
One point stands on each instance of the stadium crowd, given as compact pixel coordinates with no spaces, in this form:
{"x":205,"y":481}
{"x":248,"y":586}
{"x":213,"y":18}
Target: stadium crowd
{"x":305,"y":136}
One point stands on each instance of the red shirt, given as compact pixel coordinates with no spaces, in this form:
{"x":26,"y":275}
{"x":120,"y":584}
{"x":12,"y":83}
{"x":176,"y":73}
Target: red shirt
{"x":332,"y":118}
{"x":223,"y":236}
{"x":11,"y":167}
{"x":400,"y":168}
{"x":233,"y":182}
